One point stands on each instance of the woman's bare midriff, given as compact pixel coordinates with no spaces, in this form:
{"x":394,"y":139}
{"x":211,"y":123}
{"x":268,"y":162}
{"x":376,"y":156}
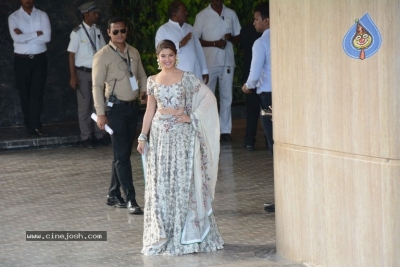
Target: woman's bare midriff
{"x":170,"y":111}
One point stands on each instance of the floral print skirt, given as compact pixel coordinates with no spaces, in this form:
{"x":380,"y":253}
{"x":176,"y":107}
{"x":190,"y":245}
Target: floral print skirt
{"x":170,"y":190}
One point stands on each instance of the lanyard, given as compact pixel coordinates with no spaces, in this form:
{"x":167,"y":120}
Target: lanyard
{"x":127,"y":61}
{"x":91,"y":41}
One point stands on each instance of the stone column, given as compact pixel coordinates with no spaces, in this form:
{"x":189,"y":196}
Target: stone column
{"x":337,"y":133}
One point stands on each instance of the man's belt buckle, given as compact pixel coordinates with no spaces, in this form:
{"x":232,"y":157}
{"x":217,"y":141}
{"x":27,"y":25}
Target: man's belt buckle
{"x":31,"y":56}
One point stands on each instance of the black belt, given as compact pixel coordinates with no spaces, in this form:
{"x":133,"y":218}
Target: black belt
{"x":29,"y":56}
{"x":126,"y":103}
{"x":84,"y":69}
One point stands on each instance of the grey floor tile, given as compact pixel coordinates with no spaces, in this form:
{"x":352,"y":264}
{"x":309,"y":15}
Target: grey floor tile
{"x":65,"y":189}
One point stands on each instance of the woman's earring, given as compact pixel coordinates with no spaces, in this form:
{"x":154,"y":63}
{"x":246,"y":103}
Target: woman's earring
{"x":158,"y":62}
{"x":176,"y":62}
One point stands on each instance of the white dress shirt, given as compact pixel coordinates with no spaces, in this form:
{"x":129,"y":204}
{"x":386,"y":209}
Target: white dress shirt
{"x":80,"y":44}
{"x":210,"y":26}
{"x":29,"y":43}
{"x":191,"y":56}
{"x":260,"y":70}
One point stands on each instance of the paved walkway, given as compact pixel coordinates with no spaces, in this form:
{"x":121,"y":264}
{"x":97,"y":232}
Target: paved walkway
{"x":65,"y":188}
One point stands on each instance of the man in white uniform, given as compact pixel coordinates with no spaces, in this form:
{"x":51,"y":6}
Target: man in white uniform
{"x":190,"y":53}
{"x":218,"y":28}
{"x":85,"y":41}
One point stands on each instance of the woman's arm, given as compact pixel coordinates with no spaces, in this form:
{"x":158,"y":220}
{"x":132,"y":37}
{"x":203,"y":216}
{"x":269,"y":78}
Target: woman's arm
{"x":147,"y":119}
{"x":149,"y":114}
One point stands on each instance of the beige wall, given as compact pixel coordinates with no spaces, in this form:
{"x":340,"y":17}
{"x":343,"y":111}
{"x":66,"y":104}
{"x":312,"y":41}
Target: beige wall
{"x":337,"y":134}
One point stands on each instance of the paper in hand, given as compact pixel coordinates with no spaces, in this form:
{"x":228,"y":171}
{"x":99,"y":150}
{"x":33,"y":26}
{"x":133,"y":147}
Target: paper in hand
{"x":108,"y":129}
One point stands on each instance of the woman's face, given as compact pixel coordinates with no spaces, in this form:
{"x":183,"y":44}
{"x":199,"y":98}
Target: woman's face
{"x":167,"y":58}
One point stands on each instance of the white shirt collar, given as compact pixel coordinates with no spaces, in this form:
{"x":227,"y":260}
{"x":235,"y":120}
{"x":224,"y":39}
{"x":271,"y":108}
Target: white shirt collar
{"x":177,"y":23}
{"x":87,"y":26}
{"x":223,"y":8}
{"x":22,"y":10}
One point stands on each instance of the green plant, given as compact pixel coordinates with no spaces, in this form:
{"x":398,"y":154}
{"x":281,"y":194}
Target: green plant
{"x":144,"y":17}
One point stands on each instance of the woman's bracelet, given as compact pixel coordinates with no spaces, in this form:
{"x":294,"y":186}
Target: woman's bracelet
{"x":142,"y":138}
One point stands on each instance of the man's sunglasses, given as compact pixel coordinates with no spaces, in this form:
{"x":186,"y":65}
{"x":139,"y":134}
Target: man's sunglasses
{"x":115,"y":32}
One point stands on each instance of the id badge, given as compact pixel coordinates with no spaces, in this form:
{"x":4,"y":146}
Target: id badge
{"x":110,"y":104}
{"x":134,"y":84}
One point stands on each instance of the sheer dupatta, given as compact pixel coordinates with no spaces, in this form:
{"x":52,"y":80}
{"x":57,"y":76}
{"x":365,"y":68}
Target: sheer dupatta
{"x":201,"y":106}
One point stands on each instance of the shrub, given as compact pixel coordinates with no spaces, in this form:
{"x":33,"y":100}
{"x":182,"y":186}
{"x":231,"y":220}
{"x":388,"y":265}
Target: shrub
{"x":144,"y":17}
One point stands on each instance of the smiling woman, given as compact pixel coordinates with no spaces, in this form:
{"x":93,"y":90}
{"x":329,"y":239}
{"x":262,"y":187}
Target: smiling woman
{"x":182,"y":161}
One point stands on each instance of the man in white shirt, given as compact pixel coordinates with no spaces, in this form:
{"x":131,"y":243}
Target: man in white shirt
{"x":190,"y":53}
{"x":30,"y":30}
{"x":218,"y":28}
{"x":260,"y":74}
{"x":260,"y":70}
{"x":85,"y":41}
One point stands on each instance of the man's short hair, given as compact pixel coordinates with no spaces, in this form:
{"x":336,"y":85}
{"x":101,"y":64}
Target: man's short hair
{"x":263,"y":8}
{"x":174,"y":7}
{"x":115,"y":20}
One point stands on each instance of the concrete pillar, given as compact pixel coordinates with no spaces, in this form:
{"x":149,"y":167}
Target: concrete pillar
{"x":337,"y":134}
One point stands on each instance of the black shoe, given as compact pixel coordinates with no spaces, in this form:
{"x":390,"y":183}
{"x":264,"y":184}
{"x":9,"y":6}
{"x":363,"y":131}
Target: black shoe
{"x":249,"y":148}
{"x":226,"y":137}
{"x":103,"y":142}
{"x":116,"y":201}
{"x":134,"y":208}
{"x":87,"y":143}
{"x":39,"y":132}
{"x":269,"y":207}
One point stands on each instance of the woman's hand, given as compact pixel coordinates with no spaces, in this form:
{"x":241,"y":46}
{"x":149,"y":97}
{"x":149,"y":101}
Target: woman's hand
{"x":141,"y":147}
{"x":182,"y":118}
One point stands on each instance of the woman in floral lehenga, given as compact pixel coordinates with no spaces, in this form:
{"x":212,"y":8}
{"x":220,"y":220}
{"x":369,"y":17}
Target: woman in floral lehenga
{"x":182,"y":161}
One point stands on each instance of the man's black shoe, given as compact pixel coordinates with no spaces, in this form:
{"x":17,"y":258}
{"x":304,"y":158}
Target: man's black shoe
{"x":269,"y":207}
{"x":87,"y":143}
{"x":103,"y":142}
{"x":116,"y":201}
{"x":226,"y":137}
{"x":249,"y":148}
{"x":39,"y":132}
{"x":134,"y":208}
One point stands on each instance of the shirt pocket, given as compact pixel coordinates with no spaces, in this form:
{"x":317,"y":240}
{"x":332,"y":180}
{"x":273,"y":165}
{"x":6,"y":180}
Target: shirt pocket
{"x":86,"y":47}
{"x":117,"y":70}
{"x":228,"y":25}
{"x":38,"y":26}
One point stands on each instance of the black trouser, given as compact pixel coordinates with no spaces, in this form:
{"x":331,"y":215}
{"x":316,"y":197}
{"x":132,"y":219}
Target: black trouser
{"x":122,"y":119}
{"x":252,"y":114}
{"x":30,"y":77}
{"x":265,"y":101}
